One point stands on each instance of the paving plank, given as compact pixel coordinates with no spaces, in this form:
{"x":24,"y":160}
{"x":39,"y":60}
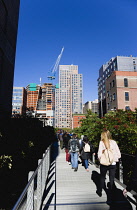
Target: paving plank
{"x":76,"y":190}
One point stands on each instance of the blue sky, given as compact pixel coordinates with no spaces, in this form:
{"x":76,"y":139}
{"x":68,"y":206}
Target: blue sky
{"x":91,"y":31}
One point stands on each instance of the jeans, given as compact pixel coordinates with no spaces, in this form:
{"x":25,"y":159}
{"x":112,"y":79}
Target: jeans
{"x":74,"y":159}
{"x":103,"y":171}
{"x":86,"y":163}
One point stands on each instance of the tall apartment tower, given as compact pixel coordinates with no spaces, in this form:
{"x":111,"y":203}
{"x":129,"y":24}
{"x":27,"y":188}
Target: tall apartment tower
{"x":68,"y":95}
{"x":9,"y":12}
{"x":118,"y":63}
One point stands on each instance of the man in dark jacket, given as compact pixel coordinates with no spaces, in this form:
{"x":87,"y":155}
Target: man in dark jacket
{"x":73,"y":146}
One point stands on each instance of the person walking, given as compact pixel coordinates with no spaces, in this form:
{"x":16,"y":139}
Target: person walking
{"x":73,"y":146}
{"x":87,"y":150}
{"x":107,"y":143}
{"x":66,"y":137}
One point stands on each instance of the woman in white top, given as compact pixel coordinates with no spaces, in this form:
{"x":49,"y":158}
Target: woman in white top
{"x":107,"y":143}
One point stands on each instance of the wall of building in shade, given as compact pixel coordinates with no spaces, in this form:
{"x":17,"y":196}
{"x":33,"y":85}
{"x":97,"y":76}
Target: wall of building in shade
{"x":9,"y":14}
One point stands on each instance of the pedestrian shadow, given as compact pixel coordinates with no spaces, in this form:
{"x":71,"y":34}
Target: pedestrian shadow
{"x":95,"y":176}
{"x":115,"y":198}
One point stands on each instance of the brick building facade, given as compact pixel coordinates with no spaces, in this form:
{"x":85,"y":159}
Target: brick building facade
{"x":76,"y":120}
{"x":121,"y":91}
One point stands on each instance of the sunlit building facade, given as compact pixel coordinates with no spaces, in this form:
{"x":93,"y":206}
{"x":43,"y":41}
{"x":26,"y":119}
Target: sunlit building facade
{"x":91,"y":105}
{"x":46,"y":103}
{"x":19,"y":101}
{"x":118,"y":63}
{"x":68,"y":95}
{"x":33,"y":94}
{"x":121,"y":91}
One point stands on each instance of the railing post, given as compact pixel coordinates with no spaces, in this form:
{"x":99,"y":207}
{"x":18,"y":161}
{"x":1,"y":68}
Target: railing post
{"x":30,"y":193}
{"x":43,"y":173}
{"x":46,"y":163}
{"x":49,"y":149}
{"x":55,"y":186}
{"x":39,"y":186}
{"x":120,"y":171}
{"x":93,"y":158}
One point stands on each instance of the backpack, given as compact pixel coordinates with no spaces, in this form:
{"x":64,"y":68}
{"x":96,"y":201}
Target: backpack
{"x":74,"y":145}
{"x":107,"y":157}
{"x":86,"y":147}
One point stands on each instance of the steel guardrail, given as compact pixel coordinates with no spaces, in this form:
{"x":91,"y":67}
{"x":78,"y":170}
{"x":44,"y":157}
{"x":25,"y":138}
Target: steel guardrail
{"x":31,"y":197}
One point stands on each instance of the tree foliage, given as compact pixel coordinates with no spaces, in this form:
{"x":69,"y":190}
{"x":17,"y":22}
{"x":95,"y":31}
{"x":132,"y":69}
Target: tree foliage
{"x":121,"y":124}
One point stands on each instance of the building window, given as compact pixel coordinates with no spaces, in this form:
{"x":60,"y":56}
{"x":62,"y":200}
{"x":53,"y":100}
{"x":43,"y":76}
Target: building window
{"x":114,"y":96}
{"x":110,"y":85}
{"x":126,"y":96}
{"x":107,"y":94}
{"x":110,"y":98}
{"x":108,"y":106}
{"x":125,"y":82}
{"x":113,"y":83}
{"x":127,"y":108}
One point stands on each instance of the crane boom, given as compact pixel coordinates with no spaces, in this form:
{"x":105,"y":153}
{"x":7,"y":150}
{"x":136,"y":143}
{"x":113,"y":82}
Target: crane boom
{"x":53,"y":72}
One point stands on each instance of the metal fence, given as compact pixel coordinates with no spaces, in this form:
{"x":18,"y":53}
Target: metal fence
{"x":125,"y":167}
{"x":31,"y":197}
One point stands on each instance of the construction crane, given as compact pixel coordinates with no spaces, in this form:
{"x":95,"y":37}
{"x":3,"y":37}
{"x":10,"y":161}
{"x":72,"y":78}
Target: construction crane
{"x":54,"y":69}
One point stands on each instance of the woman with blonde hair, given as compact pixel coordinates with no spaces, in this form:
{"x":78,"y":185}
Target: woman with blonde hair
{"x":107,"y":143}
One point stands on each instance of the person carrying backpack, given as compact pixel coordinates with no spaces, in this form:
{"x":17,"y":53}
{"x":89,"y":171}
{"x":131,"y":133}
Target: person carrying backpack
{"x":73,"y":146}
{"x":86,"y":151}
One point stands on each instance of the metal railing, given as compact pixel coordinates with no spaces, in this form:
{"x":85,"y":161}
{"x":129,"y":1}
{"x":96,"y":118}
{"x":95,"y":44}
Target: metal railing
{"x":124,"y":167}
{"x":31,"y":197}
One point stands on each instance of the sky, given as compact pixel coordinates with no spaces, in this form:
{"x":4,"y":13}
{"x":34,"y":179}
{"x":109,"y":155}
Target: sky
{"x":91,"y":32}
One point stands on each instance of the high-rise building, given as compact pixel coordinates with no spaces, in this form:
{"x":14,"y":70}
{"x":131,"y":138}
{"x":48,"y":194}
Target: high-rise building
{"x":91,"y":105}
{"x":9,"y":13}
{"x":19,"y":100}
{"x":46,"y":103}
{"x":41,"y":100}
{"x":68,"y":95}
{"x":33,"y":94}
{"x":118,"y":63}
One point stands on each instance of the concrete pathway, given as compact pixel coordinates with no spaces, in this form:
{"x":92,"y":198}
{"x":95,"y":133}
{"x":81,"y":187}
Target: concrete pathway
{"x":77,"y":190}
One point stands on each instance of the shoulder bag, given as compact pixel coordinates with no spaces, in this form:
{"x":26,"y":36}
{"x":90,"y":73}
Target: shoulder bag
{"x":107,"y":157}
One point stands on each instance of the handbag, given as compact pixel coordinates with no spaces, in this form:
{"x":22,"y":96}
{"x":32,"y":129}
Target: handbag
{"x":107,"y":157}
{"x":86,"y":147}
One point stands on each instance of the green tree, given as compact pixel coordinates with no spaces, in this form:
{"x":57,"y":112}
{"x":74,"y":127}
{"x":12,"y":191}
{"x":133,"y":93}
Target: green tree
{"x":91,"y":127}
{"x":123,"y":127}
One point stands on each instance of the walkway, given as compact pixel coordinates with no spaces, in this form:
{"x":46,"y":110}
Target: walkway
{"x":77,"y":190}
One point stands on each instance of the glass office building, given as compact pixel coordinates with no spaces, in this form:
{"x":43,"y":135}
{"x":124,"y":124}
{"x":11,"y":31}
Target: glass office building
{"x":19,"y":100}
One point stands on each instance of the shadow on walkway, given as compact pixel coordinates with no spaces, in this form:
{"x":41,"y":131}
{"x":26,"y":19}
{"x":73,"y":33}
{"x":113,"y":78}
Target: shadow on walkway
{"x":117,"y":199}
{"x":49,"y":184}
